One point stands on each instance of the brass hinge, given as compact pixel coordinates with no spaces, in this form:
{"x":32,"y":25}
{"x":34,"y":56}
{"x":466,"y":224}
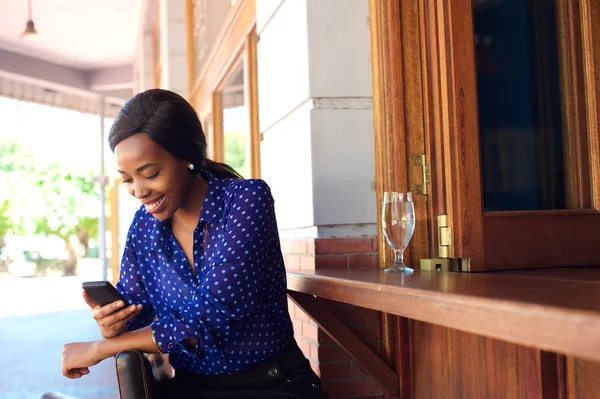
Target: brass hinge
{"x":419,"y":188}
{"x":443,"y":262}
{"x":444,"y":236}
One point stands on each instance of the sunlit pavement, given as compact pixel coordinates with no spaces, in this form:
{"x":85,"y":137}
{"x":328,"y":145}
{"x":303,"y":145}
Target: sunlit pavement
{"x":37,"y":316}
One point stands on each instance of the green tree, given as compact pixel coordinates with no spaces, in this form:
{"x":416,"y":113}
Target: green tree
{"x":235,"y":151}
{"x":12,"y":160}
{"x":70,"y":209}
{"x":37,"y":198}
{"x":5,"y":222}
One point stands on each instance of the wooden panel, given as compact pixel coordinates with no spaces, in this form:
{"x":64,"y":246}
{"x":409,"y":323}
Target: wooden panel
{"x":541,"y":239}
{"x":191,"y":55}
{"x":399,"y":125}
{"x":553,"y":375}
{"x":404,"y":366}
{"x":460,"y":129}
{"x":590,"y":15}
{"x":574,"y":109}
{"x":411,"y":127}
{"x":550,"y":314}
{"x":451,"y":96}
{"x":227,"y":48}
{"x":452,"y":364}
{"x":432,"y":110}
{"x":251,"y":92}
{"x":582,"y":379}
{"x":390,"y":170}
{"x":217,"y":131}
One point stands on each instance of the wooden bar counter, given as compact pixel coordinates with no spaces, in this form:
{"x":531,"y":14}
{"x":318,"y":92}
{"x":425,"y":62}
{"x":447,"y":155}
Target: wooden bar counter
{"x":472,"y":335}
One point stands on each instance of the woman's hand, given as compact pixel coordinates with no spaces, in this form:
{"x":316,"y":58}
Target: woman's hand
{"x":77,"y":357}
{"x":112,"y":319}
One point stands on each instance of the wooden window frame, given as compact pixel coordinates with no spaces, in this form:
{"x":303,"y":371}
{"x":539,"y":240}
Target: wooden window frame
{"x":237,"y":40}
{"x":511,"y":239}
{"x":441,"y":121}
{"x":399,"y":129}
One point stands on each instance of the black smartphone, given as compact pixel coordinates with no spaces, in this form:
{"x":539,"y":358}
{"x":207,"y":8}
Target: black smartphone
{"x":103,"y":292}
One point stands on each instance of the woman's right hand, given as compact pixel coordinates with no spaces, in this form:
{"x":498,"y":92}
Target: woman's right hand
{"x":112,"y":319}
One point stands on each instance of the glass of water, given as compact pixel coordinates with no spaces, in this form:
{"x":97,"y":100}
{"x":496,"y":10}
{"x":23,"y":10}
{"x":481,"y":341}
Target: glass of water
{"x":398,"y":222}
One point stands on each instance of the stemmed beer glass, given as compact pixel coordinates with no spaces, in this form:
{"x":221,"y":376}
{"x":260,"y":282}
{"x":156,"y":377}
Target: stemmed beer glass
{"x":398,"y":222}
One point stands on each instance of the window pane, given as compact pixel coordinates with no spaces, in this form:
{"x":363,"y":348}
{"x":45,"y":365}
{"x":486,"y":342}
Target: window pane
{"x":519,"y":104}
{"x":208,"y":16}
{"x":236,"y":123}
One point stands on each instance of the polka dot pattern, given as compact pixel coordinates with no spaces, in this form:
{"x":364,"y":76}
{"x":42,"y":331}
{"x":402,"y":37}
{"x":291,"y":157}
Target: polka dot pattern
{"x":235,"y":306}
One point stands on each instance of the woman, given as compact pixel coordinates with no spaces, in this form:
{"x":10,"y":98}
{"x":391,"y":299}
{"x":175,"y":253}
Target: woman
{"x":202,"y":266}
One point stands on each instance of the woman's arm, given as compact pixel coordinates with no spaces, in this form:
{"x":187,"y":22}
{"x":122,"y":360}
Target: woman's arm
{"x":137,"y":339}
{"x":77,"y":357}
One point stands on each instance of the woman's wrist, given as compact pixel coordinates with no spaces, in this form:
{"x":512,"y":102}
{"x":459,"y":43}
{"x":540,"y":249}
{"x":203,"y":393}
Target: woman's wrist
{"x":100,"y":349}
{"x":141,"y":340}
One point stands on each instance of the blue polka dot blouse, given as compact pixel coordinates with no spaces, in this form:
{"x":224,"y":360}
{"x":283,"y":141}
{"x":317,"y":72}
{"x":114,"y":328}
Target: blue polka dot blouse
{"x":235,"y":306}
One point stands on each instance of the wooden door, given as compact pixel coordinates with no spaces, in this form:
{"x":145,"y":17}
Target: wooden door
{"x":511,"y":91}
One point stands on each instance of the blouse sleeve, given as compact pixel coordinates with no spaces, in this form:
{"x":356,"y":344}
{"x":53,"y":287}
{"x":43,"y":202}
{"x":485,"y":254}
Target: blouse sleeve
{"x":231,"y":285}
{"x":130,"y":283}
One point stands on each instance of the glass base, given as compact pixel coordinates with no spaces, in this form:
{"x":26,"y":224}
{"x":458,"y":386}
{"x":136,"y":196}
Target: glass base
{"x":399,"y":268}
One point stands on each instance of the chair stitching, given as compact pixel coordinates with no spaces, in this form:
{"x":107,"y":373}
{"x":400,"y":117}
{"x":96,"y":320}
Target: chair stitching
{"x":143,"y":373}
{"x":118,"y":377}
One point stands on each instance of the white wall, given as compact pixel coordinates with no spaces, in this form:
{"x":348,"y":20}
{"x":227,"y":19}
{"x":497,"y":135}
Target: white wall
{"x":316,"y":115}
{"x":173,"y":53}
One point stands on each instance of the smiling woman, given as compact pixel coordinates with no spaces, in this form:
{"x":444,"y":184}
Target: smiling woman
{"x":203,"y":260}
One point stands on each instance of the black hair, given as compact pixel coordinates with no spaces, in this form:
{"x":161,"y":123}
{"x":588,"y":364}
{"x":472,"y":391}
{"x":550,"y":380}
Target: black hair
{"x":171,"y":122}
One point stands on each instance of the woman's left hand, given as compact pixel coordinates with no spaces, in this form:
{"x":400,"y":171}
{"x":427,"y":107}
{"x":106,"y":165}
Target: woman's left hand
{"x":77,"y":357}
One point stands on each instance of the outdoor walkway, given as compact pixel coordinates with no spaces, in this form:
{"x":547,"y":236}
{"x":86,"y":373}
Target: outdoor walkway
{"x":37,"y":316}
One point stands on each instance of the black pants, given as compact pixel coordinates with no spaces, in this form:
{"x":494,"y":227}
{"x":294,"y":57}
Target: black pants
{"x":287,"y":375}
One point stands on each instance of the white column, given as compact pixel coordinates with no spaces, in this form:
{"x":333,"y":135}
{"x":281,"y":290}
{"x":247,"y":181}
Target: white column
{"x":102,"y":182}
{"x":144,"y":78}
{"x":173,"y":48}
{"x":316,"y":116}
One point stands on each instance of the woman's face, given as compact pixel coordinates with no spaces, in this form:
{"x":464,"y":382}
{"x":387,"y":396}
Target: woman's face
{"x":152,"y":175}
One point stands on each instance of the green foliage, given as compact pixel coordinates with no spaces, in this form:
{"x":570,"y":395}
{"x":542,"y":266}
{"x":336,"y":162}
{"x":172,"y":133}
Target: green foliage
{"x":235,"y":152}
{"x":13,"y":158}
{"x":5,"y":221}
{"x":70,"y":203}
{"x":45,"y":199}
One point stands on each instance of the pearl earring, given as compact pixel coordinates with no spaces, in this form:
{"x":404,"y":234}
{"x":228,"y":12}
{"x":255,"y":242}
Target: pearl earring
{"x":190,"y":166}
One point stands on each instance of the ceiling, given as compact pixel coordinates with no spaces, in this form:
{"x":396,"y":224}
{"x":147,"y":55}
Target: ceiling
{"x":84,"y":34}
{"x":86,"y":48}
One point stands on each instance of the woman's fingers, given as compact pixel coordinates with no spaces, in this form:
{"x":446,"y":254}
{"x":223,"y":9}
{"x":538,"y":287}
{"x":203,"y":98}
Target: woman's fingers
{"x":101,"y":312}
{"x":121,"y":316}
{"x":76,"y":373}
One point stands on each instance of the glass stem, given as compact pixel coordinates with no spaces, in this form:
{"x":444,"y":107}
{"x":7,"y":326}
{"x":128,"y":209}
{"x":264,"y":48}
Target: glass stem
{"x":399,"y":256}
